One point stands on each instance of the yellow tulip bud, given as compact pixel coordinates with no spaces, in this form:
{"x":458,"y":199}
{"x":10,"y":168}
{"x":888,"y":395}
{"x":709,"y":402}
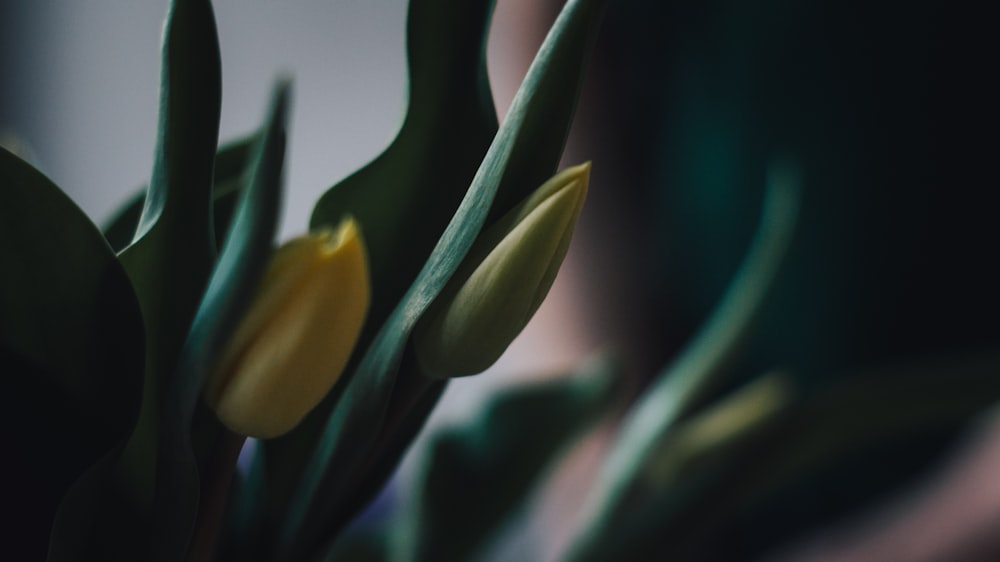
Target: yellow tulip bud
{"x":502,"y":281}
{"x":295,"y":340}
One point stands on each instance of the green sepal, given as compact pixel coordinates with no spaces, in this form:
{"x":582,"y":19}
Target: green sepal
{"x":233,"y":285}
{"x":353,"y":427}
{"x":232,"y":163}
{"x":475,"y":477}
{"x":71,"y":354}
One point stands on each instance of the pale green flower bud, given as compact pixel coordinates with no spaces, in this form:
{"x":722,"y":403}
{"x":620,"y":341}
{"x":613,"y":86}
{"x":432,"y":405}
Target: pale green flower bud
{"x":502,"y":281}
{"x":295,"y":340}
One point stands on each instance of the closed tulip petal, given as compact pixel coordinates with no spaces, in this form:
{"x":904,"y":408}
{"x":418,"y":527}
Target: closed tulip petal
{"x":504,"y":280}
{"x":297,"y":337}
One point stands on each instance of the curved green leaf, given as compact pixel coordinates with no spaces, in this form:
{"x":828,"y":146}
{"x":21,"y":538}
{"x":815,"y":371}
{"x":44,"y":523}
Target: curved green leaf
{"x":545,"y":99}
{"x":71,"y":351}
{"x":405,"y":197}
{"x":413,"y":400}
{"x":475,"y":477}
{"x":233,"y":284}
{"x":688,"y":470}
{"x":232,"y":164}
{"x":703,"y":362}
{"x":173,"y":251}
{"x":852,"y":421}
{"x":736,"y":483}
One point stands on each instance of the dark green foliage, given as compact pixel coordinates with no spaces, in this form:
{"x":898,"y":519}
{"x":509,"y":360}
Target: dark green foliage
{"x":231,"y":288}
{"x":173,"y":251}
{"x":71,"y":356}
{"x":103,"y":356}
{"x":547,"y":96}
{"x":476,"y":477}
{"x":232,"y":163}
{"x":404,"y":198}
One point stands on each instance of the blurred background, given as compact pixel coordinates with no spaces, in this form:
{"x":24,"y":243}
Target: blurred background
{"x":887,"y":106}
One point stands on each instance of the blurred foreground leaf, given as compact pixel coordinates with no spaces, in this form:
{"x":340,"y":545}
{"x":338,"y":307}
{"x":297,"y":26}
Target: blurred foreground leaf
{"x":476,"y":477}
{"x":685,"y":470}
{"x":71,"y":361}
{"x":701,"y":365}
{"x":850,"y":443}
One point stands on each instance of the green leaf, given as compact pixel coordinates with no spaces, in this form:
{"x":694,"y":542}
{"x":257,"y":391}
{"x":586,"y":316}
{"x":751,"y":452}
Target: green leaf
{"x":549,"y":88}
{"x":406,"y":415}
{"x":735,"y":483}
{"x":232,"y":164}
{"x":688,"y":471}
{"x":703,"y":362}
{"x":172,"y":254}
{"x":233,"y":284}
{"x":362,"y":545}
{"x":405,"y":197}
{"x":243,"y":536}
{"x":475,"y":477}
{"x":857,"y":436}
{"x":71,"y":351}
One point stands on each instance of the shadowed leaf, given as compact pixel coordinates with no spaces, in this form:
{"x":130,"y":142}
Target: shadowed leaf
{"x":71,"y":356}
{"x":232,"y":164}
{"x":233,"y":284}
{"x":475,"y":477}
{"x":173,"y":250}
{"x":702,"y":364}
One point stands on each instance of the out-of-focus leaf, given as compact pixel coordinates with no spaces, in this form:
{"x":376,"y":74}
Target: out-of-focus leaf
{"x":686,"y":470}
{"x":242,"y":537}
{"x":803,"y":447}
{"x":233,"y":284}
{"x":703,"y":362}
{"x":476,"y":476}
{"x":362,"y":545}
{"x":232,"y":163}
{"x":848,"y":443}
{"x":545,"y":100}
{"x":71,"y":355}
{"x":173,"y":251}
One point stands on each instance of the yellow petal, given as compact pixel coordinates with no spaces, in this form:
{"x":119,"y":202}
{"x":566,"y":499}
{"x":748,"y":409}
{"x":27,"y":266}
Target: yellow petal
{"x":297,"y":336}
